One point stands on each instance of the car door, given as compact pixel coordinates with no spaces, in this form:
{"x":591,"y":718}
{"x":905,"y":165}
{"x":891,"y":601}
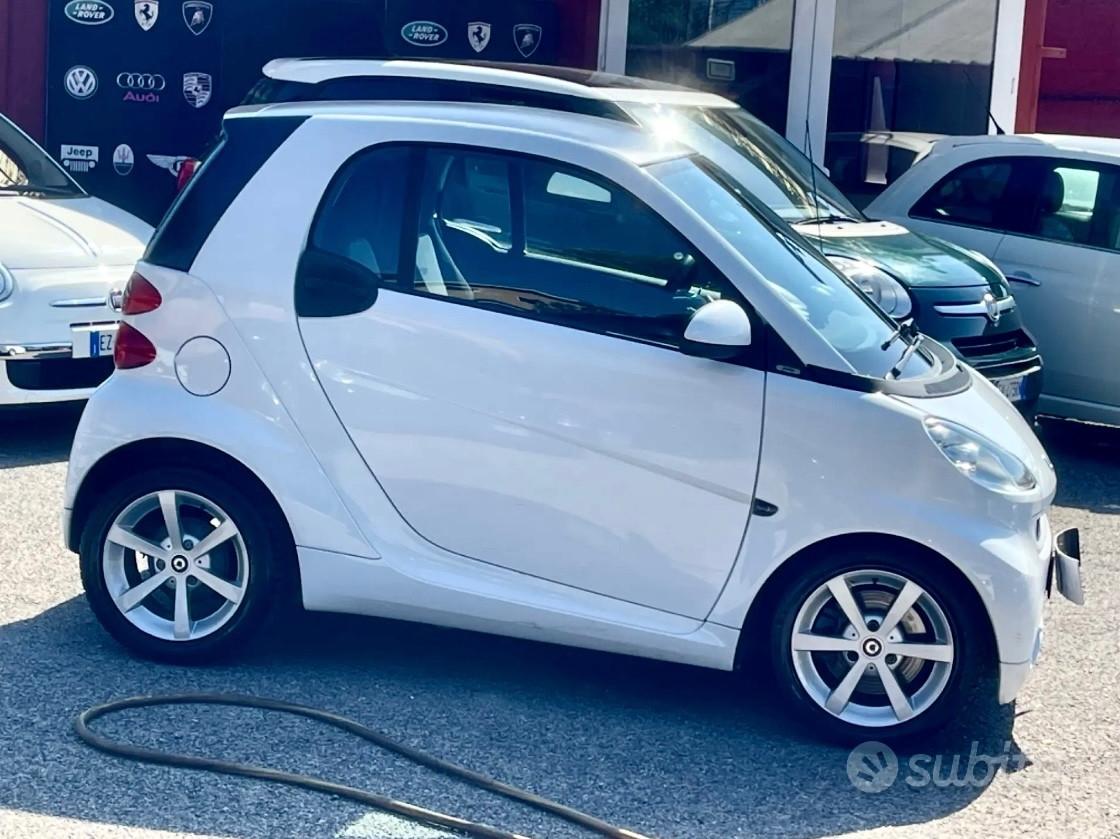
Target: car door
{"x":1063,"y":266}
{"x":973,"y":205}
{"x":516,"y":386}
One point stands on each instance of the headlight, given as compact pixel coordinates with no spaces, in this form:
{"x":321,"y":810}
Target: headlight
{"x":880,"y":286}
{"x":979,"y":458}
{"x":6,"y":283}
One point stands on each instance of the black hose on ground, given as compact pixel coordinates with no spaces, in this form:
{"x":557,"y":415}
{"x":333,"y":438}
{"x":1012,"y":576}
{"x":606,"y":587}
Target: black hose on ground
{"x":380,"y":802}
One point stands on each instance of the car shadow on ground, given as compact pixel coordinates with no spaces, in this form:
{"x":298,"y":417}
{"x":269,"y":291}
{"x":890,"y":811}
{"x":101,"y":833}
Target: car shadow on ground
{"x":37,"y":434}
{"x":667,"y":750}
{"x":1093,"y":453}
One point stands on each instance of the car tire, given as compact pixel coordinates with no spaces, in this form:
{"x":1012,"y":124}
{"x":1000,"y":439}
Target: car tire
{"x":228,"y":589}
{"x":943,"y":622}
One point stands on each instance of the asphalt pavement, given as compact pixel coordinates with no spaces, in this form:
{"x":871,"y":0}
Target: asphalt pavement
{"x":667,"y":750}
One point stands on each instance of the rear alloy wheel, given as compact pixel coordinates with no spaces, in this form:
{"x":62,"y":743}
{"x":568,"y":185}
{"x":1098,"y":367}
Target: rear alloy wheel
{"x":175,"y":563}
{"x":873,"y":651}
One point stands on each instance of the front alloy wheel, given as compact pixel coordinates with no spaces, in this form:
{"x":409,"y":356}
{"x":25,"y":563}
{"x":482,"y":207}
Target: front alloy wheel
{"x":175,"y":563}
{"x":872,"y":650}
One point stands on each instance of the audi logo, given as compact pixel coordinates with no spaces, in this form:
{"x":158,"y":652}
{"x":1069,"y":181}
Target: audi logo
{"x":141,"y":81}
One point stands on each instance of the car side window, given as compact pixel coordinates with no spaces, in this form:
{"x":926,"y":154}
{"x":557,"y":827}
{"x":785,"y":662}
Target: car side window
{"x":1077,"y":204}
{"x":362,"y":212}
{"x":972,"y":195}
{"x":550,"y":242}
{"x":354,"y":246}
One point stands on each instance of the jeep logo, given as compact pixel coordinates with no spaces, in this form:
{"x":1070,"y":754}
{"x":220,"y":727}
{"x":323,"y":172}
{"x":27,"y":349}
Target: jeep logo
{"x":424,"y":33}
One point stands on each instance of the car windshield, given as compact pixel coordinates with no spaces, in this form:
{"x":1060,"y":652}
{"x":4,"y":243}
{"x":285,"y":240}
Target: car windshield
{"x":802,"y":279}
{"x":26,"y":168}
{"x":755,"y":155}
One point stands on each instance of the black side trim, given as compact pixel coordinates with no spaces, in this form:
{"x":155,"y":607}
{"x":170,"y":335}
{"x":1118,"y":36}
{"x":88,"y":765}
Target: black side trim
{"x":954,"y":378}
{"x":245,"y":146}
{"x":413,"y":89}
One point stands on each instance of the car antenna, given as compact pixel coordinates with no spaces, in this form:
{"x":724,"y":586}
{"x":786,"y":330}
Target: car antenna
{"x":976,"y":89}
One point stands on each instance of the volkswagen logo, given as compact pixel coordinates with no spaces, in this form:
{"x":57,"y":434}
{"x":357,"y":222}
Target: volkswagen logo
{"x":141,"y":81}
{"x":81,"y":82}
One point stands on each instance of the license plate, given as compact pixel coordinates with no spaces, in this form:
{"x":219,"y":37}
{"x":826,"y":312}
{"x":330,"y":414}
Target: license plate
{"x":1011,"y":388}
{"x":94,"y":341}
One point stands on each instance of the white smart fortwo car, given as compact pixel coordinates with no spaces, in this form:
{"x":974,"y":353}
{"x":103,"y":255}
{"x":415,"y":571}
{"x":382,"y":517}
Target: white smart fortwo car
{"x":534,"y":373}
{"x":63,"y":254}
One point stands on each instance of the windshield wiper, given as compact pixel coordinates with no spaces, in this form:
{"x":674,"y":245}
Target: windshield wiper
{"x":30,"y":189}
{"x":824,"y":218}
{"x":911,"y":348}
{"x":907,"y":330}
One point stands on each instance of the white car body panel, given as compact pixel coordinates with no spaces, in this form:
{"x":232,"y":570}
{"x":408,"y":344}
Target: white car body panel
{"x":65,"y":256}
{"x":528,"y":476}
{"x":833,"y":461}
{"x":1062,"y":289}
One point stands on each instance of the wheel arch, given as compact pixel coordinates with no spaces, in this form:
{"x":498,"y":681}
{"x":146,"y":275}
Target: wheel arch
{"x":760,"y":616}
{"x":174,"y":451}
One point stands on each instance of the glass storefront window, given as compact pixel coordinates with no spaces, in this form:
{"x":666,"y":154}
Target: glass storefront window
{"x":736,"y":48}
{"x":904,"y":71}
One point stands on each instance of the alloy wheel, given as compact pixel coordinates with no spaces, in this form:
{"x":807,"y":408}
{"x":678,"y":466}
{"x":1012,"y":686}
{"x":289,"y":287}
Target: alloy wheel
{"x":872,"y":648}
{"x":175,"y":565}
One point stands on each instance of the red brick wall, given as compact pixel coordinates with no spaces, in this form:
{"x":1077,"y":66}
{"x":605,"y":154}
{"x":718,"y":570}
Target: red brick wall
{"x":23,"y":63}
{"x":1080,"y":94}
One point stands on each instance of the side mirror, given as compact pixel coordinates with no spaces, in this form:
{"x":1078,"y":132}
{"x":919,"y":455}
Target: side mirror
{"x":719,"y":330}
{"x":329,"y":285}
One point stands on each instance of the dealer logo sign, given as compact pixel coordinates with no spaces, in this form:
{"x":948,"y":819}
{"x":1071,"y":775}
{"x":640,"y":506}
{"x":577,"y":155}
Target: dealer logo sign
{"x":89,"y":12}
{"x":81,"y":82}
{"x":78,"y":158}
{"x":424,"y":33}
{"x":197,"y":88}
{"x":147,"y":13}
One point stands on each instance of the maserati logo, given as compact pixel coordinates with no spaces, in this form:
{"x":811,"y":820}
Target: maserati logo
{"x":527,"y":37}
{"x":197,"y":88}
{"x":991,"y":307}
{"x":147,"y":12}
{"x":197,"y":15}
{"x":81,"y":82}
{"x":478,"y":33}
{"x":123,"y":159}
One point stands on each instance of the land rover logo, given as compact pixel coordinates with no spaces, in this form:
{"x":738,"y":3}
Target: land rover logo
{"x":89,"y":12}
{"x":424,"y":33}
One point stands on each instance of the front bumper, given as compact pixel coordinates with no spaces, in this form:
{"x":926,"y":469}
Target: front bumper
{"x":1064,"y":569}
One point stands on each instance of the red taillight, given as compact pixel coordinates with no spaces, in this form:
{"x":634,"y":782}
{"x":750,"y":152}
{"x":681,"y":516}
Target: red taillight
{"x":140,"y":296}
{"x":132,"y":349}
{"x":186,"y":172}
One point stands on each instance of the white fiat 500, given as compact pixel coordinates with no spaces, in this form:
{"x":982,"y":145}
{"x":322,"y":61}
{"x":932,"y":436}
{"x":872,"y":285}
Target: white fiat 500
{"x":62,"y":255}
{"x":534,"y":373}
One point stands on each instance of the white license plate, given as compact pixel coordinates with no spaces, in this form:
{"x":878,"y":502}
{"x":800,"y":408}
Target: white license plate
{"x":1011,"y":388}
{"x":94,"y":341}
